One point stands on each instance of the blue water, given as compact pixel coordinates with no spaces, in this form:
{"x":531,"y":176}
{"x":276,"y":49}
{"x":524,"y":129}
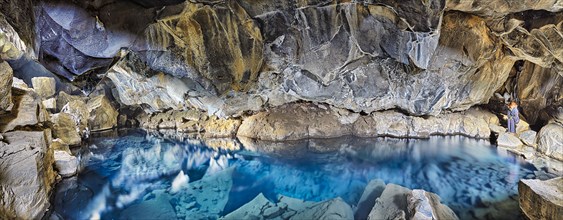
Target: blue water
{"x":123,"y":175}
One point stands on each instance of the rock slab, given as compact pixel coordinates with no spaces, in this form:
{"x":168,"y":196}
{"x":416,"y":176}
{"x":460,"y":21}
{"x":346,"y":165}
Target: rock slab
{"x":65,"y":163}
{"x":27,"y":175}
{"x":541,"y":199}
{"x":5,"y":86}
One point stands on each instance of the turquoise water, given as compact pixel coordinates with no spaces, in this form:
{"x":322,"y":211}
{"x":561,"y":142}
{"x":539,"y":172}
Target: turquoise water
{"x":184,"y":178}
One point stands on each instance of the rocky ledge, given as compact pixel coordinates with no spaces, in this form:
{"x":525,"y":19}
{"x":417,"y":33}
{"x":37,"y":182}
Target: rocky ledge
{"x":541,"y":199}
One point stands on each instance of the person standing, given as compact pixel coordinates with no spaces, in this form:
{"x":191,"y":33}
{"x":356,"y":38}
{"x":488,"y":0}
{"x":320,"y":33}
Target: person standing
{"x":513,"y":117}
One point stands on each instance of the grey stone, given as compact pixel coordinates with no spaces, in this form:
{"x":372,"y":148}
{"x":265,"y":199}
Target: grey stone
{"x":331,"y":209}
{"x":372,"y":191}
{"x":528,"y":137}
{"x":508,"y":140}
{"x":44,"y":86}
{"x":550,"y":141}
{"x":253,"y":209}
{"x":426,"y":205}
{"x":392,"y":204}
{"x":79,"y":112}
{"x":65,"y":163}
{"x":27,"y":175}
{"x":541,"y":199}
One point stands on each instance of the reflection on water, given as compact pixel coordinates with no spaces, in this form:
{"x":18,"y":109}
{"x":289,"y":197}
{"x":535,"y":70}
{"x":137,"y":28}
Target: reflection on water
{"x":139,"y":173}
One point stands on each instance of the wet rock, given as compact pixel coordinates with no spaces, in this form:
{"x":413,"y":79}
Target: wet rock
{"x":27,"y":175}
{"x":550,"y":141}
{"x":541,"y":199}
{"x":425,"y":205}
{"x":65,"y":128}
{"x":102,"y":114}
{"x":528,"y":137}
{"x":44,"y":86}
{"x":508,"y":140}
{"x":5,"y":86}
{"x":392,"y":204}
{"x":205,"y":198}
{"x":27,"y":111}
{"x":372,"y":191}
{"x":65,"y":163}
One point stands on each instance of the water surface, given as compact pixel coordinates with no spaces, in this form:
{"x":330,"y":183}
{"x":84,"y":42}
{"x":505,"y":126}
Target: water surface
{"x":123,"y":176}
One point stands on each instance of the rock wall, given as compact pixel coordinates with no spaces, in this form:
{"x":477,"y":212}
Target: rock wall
{"x":230,"y":57}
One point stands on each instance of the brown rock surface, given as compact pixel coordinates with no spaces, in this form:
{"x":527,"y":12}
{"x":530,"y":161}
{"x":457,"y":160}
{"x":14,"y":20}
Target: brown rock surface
{"x":541,"y":199}
{"x":102,"y":114}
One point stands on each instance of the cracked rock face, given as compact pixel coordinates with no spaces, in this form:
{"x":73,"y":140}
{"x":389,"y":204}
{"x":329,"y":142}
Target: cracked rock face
{"x":27,"y":175}
{"x":229,"y":57}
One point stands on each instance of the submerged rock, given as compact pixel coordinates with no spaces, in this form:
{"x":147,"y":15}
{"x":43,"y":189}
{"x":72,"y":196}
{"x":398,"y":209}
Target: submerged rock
{"x":541,"y":199}
{"x":156,"y":208}
{"x":331,"y":209}
{"x":550,"y":141}
{"x":205,"y":198}
{"x":27,"y":175}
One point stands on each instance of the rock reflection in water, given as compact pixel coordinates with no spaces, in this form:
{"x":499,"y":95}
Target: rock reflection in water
{"x":132,"y":176}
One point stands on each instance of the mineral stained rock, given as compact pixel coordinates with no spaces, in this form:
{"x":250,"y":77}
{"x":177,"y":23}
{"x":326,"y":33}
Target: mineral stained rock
{"x":5,"y":86}
{"x":65,"y":128}
{"x":541,"y":199}
{"x":44,"y":86}
{"x":27,"y":175}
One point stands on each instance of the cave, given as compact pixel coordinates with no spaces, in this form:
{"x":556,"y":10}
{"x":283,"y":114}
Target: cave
{"x":238,"y":109}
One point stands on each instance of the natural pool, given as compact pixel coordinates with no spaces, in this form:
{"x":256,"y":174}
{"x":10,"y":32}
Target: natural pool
{"x":124,"y":177}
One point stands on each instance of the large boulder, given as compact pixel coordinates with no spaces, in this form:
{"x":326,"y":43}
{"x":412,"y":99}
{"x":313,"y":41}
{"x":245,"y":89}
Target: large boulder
{"x":5,"y":86}
{"x":103,"y":115}
{"x":27,"y":175}
{"x":541,"y":199}
{"x":392,"y":204}
{"x":372,"y":191}
{"x":550,"y":140}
